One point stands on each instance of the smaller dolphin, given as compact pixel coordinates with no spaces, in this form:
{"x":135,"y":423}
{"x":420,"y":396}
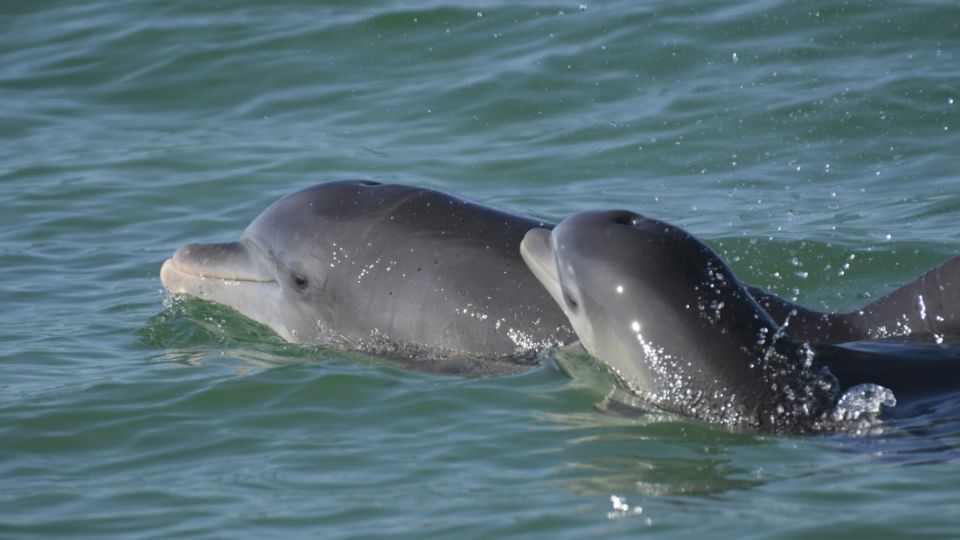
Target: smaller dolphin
{"x":669,"y":317}
{"x":665,"y":313}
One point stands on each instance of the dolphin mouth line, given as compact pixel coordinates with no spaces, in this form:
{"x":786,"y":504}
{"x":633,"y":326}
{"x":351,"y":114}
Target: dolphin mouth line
{"x":539,"y":267}
{"x":536,"y":251}
{"x":172,"y":263}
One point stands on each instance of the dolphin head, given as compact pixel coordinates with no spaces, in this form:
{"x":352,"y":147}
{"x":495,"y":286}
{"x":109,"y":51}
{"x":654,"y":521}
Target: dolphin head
{"x":276,"y":273}
{"x":668,"y":316}
{"x":617,"y":278}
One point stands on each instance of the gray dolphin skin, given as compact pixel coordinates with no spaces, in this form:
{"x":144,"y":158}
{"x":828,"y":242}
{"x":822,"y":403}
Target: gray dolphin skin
{"x":390,"y":269}
{"x":670,"y":319}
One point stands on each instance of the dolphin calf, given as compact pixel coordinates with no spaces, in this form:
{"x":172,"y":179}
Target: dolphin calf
{"x":669,"y":317}
{"x":391,"y":269}
{"x":671,"y":320}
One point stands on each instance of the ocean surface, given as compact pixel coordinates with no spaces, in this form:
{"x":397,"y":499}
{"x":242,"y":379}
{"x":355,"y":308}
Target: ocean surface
{"x":813,"y":144}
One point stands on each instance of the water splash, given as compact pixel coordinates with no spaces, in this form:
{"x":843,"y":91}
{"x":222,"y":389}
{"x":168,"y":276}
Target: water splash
{"x":863,"y":401}
{"x":621,"y":509}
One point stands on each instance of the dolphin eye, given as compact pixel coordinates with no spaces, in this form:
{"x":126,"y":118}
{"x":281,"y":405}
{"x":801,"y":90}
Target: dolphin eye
{"x":300,"y":282}
{"x":569,"y":299}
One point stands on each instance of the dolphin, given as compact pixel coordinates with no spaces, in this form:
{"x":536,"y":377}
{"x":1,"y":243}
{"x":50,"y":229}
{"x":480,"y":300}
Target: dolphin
{"x":397,"y":270}
{"x":664,"y":312}
{"x":680,"y":331}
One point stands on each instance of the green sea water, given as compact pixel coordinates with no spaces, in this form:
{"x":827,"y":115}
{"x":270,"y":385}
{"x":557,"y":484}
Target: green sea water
{"x":813,"y":144}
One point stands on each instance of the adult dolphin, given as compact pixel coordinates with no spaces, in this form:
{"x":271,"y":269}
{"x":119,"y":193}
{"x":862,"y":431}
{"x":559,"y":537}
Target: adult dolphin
{"x":411,"y":273}
{"x":674,"y":323}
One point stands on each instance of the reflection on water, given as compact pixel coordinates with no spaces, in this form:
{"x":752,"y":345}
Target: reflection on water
{"x":620,"y":447}
{"x":190,"y":321}
{"x":657,"y":476}
{"x":602,"y":443}
{"x":194,"y":332}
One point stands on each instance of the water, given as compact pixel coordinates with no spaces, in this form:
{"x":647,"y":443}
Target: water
{"x":813,"y":144}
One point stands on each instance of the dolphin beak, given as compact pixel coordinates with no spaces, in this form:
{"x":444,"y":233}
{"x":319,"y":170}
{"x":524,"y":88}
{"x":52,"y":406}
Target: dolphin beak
{"x":210,"y":262}
{"x":541,"y":260}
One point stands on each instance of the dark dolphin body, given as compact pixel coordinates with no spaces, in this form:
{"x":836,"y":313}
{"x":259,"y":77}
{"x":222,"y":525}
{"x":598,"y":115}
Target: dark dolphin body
{"x":670,"y":318}
{"x":397,"y":270}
